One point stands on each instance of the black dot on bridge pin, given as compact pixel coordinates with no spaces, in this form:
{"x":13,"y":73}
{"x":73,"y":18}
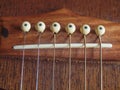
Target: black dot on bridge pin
{"x":70,"y":26}
{"x":25,"y":24}
{"x":4,"y":32}
{"x":100,"y":28}
{"x":55,"y":25}
{"x":40,"y":24}
{"x":85,"y":27}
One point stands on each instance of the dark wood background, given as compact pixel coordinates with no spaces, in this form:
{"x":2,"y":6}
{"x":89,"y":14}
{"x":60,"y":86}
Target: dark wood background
{"x":10,"y":66}
{"x":108,"y":9}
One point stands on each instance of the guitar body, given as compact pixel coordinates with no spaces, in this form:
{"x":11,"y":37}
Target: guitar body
{"x":11,"y":59}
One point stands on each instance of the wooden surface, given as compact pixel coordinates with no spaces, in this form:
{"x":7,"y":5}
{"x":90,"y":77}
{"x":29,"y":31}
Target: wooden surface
{"x":10,"y":64}
{"x":104,"y":9}
{"x":10,"y":74}
{"x":63,"y":16}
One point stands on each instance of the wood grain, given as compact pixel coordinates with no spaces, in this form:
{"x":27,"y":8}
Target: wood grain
{"x":10,"y":74}
{"x":10,"y":65}
{"x":108,"y":9}
{"x":64,"y":17}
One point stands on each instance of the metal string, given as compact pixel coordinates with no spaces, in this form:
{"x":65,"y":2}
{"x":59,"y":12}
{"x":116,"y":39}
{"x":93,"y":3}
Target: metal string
{"x":101,"y":65}
{"x":85,"y":67}
{"x":38,"y":61}
{"x":69,"y":61}
{"x":23,"y":58}
{"x":53,"y":77}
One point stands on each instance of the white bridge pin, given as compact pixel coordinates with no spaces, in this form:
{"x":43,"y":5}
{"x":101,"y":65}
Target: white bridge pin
{"x":40,"y":26}
{"x":26,"y":26}
{"x":85,"y":29}
{"x":100,"y":30}
{"x":55,"y":27}
{"x":70,"y":28}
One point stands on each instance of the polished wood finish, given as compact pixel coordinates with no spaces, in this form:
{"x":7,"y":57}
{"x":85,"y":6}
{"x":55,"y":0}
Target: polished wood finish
{"x":104,"y":9}
{"x":63,"y":16}
{"x":10,"y":74}
{"x":10,"y":64}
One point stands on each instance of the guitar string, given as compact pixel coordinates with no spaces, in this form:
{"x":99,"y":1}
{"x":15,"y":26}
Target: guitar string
{"x":69,"y":61}
{"x":101,"y":65}
{"x":54,"y":56}
{"x":38,"y":62}
{"x":85,"y":66}
{"x":23,"y":59}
